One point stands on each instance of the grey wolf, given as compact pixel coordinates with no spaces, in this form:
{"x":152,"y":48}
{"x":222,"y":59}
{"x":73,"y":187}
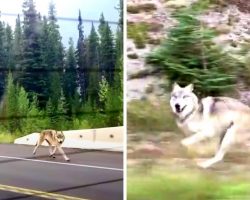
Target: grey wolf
{"x":209,"y":117}
{"x":53,"y":138}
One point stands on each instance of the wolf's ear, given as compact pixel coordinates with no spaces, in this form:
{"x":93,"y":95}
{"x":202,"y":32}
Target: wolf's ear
{"x":176,"y":86}
{"x":190,"y":87}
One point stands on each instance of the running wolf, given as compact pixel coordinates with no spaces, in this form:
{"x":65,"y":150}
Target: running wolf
{"x":222,"y":117}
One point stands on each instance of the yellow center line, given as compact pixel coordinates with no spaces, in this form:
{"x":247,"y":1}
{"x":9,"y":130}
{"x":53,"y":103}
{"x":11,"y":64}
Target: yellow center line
{"x":38,"y":193}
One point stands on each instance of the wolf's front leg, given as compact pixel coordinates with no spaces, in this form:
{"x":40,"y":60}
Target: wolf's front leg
{"x":197,"y":137}
{"x":52,"y":151}
{"x":62,"y":152}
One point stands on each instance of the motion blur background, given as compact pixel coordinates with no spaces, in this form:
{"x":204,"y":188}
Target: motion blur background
{"x":205,"y":42}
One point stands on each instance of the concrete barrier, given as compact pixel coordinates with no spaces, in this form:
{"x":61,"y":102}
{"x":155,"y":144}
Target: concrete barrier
{"x":110,"y":139}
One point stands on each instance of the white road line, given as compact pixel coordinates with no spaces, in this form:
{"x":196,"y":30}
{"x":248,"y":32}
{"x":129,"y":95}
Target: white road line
{"x":59,"y":163}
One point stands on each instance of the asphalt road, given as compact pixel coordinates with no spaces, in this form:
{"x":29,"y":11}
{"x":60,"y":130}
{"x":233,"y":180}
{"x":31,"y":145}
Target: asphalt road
{"x":94,"y":175}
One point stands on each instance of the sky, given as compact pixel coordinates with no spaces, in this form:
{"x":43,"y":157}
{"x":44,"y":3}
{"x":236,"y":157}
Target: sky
{"x":90,"y":9}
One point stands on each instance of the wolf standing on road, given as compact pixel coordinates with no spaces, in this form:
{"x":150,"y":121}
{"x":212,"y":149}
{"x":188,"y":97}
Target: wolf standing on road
{"x":209,"y":117}
{"x":54,"y":138}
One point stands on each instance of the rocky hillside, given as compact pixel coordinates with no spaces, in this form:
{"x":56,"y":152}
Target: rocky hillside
{"x":148,"y":23}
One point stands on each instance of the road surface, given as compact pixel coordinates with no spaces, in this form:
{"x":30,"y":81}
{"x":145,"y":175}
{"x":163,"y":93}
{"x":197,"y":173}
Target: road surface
{"x":93,"y":175}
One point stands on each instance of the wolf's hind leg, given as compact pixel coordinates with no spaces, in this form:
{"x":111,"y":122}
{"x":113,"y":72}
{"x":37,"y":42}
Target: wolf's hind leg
{"x":226,"y":142}
{"x":39,"y":142}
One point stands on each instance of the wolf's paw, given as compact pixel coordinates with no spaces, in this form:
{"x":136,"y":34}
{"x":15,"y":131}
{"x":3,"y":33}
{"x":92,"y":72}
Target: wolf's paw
{"x":67,"y":159}
{"x":185,"y":142}
{"x":203,"y":163}
{"x":52,"y":156}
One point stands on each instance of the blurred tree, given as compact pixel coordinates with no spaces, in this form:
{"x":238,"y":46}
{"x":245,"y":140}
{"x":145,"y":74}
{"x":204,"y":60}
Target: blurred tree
{"x":188,"y":55}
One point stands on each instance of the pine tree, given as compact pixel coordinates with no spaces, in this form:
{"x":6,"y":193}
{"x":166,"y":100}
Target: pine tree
{"x":107,"y":53}
{"x":50,"y":114}
{"x":70,"y":78}
{"x":11,"y":105}
{"x":64,"y":120}
{"x":119,"y":34}
{"x":103,"y":92}
{"x":82,"y":61}
{"x":3,"y":66}
{"x":55,"y":39}
{"x":93,"y":66}
{"x":17,"y":47}
{"x":23,"y":108}
{"x":102,"y":24}
{"x":34,"y":116}
{"x":32,"y":78}
{"x":114,"y":106}
{"x":189,"y":56}
{"x":9,"y":47}
{"x":52,"y":54}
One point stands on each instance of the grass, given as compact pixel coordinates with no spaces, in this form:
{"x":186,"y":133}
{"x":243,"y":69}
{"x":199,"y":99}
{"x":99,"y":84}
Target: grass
{"x":138,"y":32}
{"x":161,"y":184}
{"x":145,"y":117}
{"x":7,"y":138}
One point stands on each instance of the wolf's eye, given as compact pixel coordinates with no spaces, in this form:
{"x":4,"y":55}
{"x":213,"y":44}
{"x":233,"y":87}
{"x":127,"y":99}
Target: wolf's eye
{"x":185,"y":96}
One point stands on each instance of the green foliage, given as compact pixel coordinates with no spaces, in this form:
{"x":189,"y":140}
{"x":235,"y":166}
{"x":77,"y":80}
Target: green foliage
{"x":23,"y":107}
{"x":189,"y":56}
{"x":103,"y":91}
{"x":34,"y":121}
{"x":11,"y":105}
{"x":49,"y":87}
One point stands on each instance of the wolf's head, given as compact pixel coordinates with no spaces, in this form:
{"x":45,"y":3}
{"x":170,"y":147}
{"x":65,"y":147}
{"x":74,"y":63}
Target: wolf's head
{"x":60,"y":137}
{"x":183,"y":101}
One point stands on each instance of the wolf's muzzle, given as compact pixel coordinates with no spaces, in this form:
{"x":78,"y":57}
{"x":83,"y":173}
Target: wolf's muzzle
{"x":178,"y":108}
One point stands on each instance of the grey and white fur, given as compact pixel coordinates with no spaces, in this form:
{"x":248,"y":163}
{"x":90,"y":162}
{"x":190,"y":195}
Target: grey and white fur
{"x":222,"y":117}
{"x":53,"y":138}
